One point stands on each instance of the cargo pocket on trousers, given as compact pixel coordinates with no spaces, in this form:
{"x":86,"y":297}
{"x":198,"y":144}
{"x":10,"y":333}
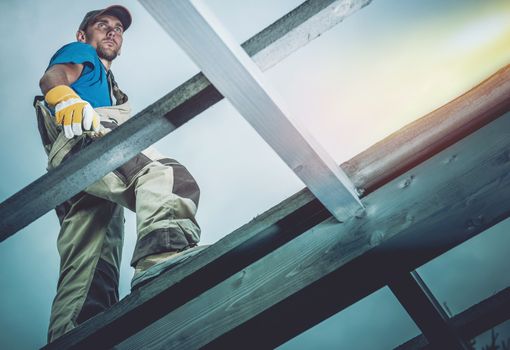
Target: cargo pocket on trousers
{"x":127,"y":172}
{"x":185,"y":185}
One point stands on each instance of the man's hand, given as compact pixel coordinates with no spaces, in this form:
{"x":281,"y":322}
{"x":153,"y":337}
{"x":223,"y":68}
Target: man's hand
{"x":74,"y":114}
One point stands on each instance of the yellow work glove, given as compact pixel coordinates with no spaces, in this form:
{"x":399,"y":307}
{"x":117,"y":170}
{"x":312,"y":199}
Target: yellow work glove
{"x":74,"y":114}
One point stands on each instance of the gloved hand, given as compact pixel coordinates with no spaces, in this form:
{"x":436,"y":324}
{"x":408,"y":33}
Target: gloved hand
{"x":74,"y":114}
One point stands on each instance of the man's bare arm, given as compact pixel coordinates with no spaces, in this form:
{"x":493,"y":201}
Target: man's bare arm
{"x":74,"y":114}
{"x":60,"y":74}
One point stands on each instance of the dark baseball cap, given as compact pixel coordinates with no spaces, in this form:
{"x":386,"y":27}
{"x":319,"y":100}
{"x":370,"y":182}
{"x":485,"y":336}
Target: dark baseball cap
{"x":118,"y":11}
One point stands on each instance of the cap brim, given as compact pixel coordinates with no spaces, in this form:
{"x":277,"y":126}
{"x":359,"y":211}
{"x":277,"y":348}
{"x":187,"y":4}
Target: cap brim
{"x":118,"y":11}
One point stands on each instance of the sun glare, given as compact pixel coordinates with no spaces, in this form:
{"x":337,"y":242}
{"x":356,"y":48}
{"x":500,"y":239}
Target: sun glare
{"x":410,"y":80}
{"x":475,"y":36}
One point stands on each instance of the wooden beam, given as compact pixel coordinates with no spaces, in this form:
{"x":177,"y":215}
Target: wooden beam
{"x":237,"y":77}
{"x":432,"y":133}
{"x":435,"y":206}
{"x":314,"y":18}
{"x":474,"y":321}
{"x":162,"y":117}
{"x":281,"y":224}
{"x":419,"y":302}
{"x":237,"y":250}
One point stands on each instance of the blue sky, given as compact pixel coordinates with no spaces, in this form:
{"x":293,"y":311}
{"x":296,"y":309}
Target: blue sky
{"x":385,"y":66}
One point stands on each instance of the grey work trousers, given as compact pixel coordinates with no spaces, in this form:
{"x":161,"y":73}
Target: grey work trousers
{"x":161,"y":192}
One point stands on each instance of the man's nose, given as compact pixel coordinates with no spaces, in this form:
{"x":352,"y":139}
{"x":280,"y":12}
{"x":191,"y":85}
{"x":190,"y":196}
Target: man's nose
{"x":111,"y":33}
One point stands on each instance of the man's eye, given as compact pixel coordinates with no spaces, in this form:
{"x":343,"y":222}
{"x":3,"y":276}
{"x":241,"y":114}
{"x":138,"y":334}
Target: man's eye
{"x":101,"y":25}
{"x":118,"y":30}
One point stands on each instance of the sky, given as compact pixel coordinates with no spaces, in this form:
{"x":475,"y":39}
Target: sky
{"x":385,"y":66}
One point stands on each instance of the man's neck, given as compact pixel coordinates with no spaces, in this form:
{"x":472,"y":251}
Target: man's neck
{"x":107,"y":64}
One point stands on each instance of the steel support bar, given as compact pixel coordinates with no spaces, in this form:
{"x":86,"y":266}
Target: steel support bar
{"x":473,"y":321}
{"x":425,"y":310}
{"x":284,"y":222}
{"x":292,"y":31}
{"x":272,"y":296}
{"x":239,"y":79}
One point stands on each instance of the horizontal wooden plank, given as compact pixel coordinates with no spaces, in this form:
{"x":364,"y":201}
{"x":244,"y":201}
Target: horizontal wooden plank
{"x":435,"y":206}
{"x":474,"y":321}
{"x":269,"y":231}
{"x":162,"y":117}
{"x":197,"y":31}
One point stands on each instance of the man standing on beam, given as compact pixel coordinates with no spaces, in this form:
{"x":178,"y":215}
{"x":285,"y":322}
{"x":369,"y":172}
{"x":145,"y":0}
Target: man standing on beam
{"x":77,"y":108}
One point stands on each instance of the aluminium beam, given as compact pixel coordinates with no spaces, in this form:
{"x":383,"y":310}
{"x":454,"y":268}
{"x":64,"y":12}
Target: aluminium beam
{"x":237,"y":77}
{"x":419,"y":302}
{"x":421,"y":214}
{"x":272,"y":44}
{"x":472,"y":322}
{"x":289,"y":219}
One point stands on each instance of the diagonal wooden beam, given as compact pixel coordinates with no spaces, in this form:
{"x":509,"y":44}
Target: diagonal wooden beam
{"x":292,"y":217}
{"x":408,"y":221}
{"x":239,"y":79}
{"x":286,"y":35}
{"x":419,"y":302}
{"x":473,"y":321}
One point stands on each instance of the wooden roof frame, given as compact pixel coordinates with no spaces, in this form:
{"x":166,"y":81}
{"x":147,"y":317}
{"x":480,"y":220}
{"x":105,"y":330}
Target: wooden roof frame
{"x":332,"y":265}
{"x":382,"y":244}
{"x":271,"y":45}
{"x":293,"y":266}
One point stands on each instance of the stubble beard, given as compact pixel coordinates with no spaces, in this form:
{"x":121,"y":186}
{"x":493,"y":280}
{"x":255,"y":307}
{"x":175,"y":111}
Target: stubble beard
{"x":107,"y":54}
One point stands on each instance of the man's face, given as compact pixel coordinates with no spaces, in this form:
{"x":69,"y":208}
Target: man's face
{"x":105,"y":35}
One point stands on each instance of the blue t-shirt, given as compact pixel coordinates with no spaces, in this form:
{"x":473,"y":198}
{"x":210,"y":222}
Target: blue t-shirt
{"x":92,"y":85}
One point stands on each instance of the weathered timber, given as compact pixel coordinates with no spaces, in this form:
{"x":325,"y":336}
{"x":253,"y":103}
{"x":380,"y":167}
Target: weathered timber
{"x":165,"y":115}
{"x":428,"y":314}
{"x":435,"y":206}
{"x":297,"y":28}
{"x":428,"y":135}
{"x":239,"y":249}
{"x":473,"y":321}
{"x":257,"y":238}
{"x":238,"y":79}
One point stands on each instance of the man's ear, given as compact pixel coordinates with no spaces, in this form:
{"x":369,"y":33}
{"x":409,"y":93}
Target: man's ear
{"x":81,"y":36}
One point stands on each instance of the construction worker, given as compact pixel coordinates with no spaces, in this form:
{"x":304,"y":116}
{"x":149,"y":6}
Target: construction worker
{"x":77,"y":108}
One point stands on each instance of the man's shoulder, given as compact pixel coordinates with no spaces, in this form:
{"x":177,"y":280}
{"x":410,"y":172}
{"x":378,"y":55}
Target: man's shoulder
{"x":77,"y":47}
{"x":75,"y":52}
